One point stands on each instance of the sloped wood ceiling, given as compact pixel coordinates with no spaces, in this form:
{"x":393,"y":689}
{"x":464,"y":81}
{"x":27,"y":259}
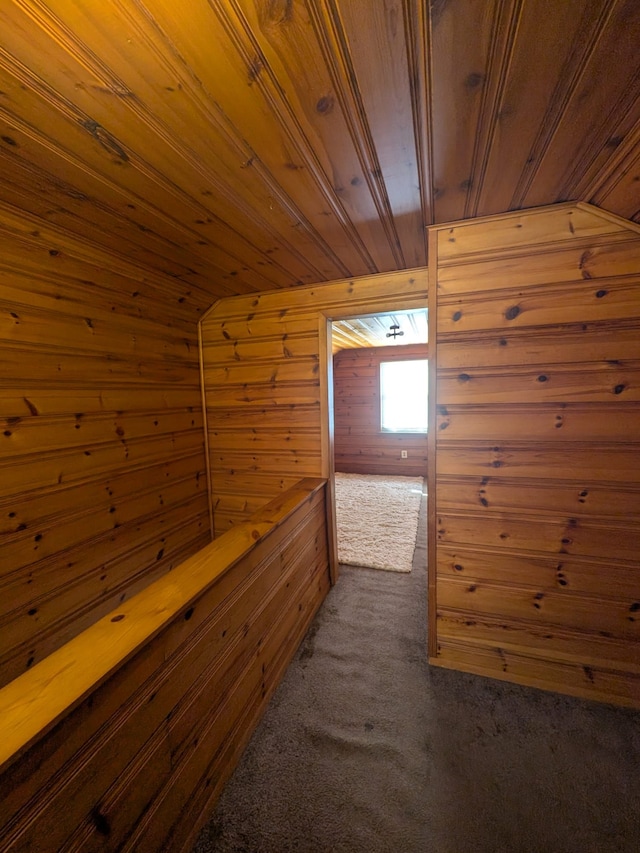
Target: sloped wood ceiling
{"x":246,"y":145}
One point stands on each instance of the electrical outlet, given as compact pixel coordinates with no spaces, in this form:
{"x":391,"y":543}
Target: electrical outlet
{"x":403,"y":454}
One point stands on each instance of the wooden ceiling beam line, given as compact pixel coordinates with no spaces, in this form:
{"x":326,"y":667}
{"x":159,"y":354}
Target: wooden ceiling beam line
{"x":333,"y":42}
{"x":246,"y":154}
{"x":626,"y":158}
{"x":280,"y":106}
{"x":503,"y":39}
{"x":572,"y":72}
{"x":418,"y":38}
{"x":580,"y":182}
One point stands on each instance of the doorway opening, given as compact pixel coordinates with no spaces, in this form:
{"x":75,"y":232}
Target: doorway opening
{"x":378,"y":390}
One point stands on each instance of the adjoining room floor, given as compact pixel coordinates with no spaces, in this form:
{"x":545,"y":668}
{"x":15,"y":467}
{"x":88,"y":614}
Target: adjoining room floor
{"x":367,"y":749}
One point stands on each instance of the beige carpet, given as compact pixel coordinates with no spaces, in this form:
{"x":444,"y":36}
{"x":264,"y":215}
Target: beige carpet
{"x":377,"y":520}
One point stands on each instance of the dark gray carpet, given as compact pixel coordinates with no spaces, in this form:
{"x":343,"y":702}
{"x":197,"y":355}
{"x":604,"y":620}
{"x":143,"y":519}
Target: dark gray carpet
{"x":366,"y":749}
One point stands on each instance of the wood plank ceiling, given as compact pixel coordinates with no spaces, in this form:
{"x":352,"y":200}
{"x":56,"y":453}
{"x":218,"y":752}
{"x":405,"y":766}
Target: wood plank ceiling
{"x":402,"y":328}
{"x":247,"y":145}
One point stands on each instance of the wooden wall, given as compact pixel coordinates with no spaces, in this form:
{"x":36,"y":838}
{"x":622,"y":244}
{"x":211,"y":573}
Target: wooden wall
{"x":266,"y":366}
{"x":148,"y":711}
{"x":535,"y":492}
{"x":360,"y":445}
{"x":103,"y":484}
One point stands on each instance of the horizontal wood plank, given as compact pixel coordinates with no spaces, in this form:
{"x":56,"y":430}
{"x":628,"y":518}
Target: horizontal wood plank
{"x":577,"y":536}
{"x":595,"y":262}
{"x":604,"y":685}
{"x":565,"y":421}
{"x":556,"y":607}
{"x":611,"y":463}
{"x":491,"y":494}
{"x":503,"y":567}
{"x":553,"y":642}
{"x":586,"y":382}
{"x":549,"y":306}
{"x":525,"y":230}
{"x":591,"y":342}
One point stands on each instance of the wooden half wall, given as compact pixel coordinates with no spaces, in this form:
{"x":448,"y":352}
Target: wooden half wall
{"x":360,"y":445}
{"x":103,"y":484}
{"x":122,"y":739}
{"x":267,"y":383}
{"x":535,"y":431}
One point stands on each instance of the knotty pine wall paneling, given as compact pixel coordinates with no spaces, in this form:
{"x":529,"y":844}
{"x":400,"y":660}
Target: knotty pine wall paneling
{"x":265,"y":365}
{"x":360,"y":445}
{"x":535,"y":490}
{"x":103,"y":484}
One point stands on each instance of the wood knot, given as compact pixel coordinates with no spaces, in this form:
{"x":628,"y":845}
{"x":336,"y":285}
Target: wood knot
{"x":101,"y":822}
{"x":512,"y":312}
{"x":473,"y":80}
{"x":255,"y":67}
{"x":325,"y":105}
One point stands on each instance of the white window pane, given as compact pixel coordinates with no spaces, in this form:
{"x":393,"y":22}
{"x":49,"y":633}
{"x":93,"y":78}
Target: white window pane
{"x":403,"y":395}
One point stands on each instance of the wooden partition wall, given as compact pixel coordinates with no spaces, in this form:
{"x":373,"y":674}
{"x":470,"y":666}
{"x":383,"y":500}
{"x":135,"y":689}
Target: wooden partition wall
{"x":535,"y":492}
{"x":122,"y":739}
{"x":103,"y":484}
{"x":266,"y":377}
{"x":360,"y":445}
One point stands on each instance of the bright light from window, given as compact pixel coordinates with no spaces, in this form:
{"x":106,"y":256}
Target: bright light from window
{"x":403,"y":395}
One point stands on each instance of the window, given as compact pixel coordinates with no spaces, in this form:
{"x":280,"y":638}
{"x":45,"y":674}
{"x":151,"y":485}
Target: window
{"x":403,"y":395}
